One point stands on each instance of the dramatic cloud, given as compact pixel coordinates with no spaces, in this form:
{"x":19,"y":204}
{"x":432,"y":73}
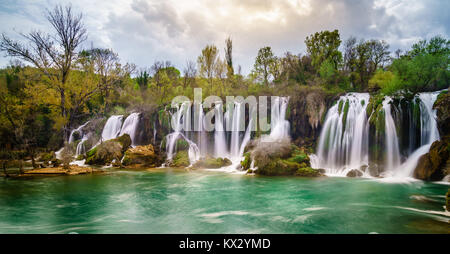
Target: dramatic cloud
{"x":143,"y":31}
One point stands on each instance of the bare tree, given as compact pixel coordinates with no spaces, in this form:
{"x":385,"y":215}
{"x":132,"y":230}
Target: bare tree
{"x":53,"y":55}
{"x":189,"y":73}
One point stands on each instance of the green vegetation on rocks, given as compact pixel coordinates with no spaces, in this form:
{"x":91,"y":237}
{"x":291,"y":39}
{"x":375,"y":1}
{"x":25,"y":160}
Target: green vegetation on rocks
{"x":108,"y":151}
{"x":181,"y":159}
{"x":212,"y":163}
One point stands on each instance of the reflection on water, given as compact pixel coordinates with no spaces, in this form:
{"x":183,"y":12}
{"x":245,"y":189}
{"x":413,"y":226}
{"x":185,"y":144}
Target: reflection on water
{"x":166,"y":201}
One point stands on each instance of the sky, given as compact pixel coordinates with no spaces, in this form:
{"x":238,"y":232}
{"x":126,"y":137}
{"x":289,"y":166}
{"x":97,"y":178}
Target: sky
{"x":145,"y":31}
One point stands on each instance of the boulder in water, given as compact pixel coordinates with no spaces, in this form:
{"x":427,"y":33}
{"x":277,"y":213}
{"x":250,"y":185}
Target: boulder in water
{"x":109,"y":150}
{"x":181,"y":159}
{"x":145,"y":156}
{"x":435,"y":164}
{"x":354,"y":173}
{"x":212,"y":163}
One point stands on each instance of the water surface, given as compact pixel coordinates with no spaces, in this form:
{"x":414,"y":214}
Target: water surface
{"x":168,"y":201}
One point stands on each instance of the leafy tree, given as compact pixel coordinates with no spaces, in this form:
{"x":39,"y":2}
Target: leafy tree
{"x":229,"y":56}
{"x":322,"y":46}
{"x":263,"y":63}
{"x":207,"y":62}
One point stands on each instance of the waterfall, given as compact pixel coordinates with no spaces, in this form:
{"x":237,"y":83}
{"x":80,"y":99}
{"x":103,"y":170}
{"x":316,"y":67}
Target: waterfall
{"x":235,"y":129}
{"x":220,"y":143}
{"x":343,"y":142}
{"x":429,"y":134}
{"x":247,"y":134}
{"x":181,"y":121}
{"x":130,"y":127}
{"x":391,"y":139}
{"x":79,"y":130}
{"x":112,"y":127}
{"x":344,"y":139}
{"x":84,"y":137}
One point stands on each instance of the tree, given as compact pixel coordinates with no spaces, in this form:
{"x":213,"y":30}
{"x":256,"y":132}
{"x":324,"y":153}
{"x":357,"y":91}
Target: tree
{"x":207,"y":62}
{"x":143,"y":79}
{"x":322,"y":46}
{"x":263,"y":62}
{"x":189,"y":73}
{"x":229,"y":57}
{"x":104,"y":63}
{"x":54,"y":55}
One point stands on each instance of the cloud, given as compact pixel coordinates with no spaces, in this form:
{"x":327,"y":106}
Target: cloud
{"x":143,"y":31}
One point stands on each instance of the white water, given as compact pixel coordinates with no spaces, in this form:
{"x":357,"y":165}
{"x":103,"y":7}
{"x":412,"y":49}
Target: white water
{"x":181,"y":120}
{"x":279,"y":126}
{"x":220,"y":143}
{"x":234,"y":147}
{"x":84,"y":137}
{"x":429,"y":134}
{"x":130,"y":127}
{"x":391,"y":139}
{"x":342,"y":148}
{"x":112,"y":127}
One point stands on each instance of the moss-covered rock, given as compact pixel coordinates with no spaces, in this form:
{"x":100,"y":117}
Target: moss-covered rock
{"x":308,"y":172}
{"x":108,"y":151}
{"x":145,"y":156}
{"x":433,"y":166}
{"x":354,"y":173}
{"x":181,"y":159}
{"x":247,"y":161}
{"x":442,"y":106}
{"x":278,"y":167}
{"x":212,"y":163}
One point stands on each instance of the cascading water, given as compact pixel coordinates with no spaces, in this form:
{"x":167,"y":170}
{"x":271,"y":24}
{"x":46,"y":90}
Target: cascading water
{"x":130,"y":126}
{"x":181,"y":122}
{"x":220,"y":143}
{"x":84,"y":137}
{"x":429,"y":134}
{"x":344,"y":139}
{"x":112,"y":127}
{"x":235,"y":129}
{"x":391,"y":139}
{"x":279,"y":126}
{"x":343,"y":142}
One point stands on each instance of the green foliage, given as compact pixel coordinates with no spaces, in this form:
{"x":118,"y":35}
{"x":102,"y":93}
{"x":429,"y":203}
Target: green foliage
{"x":344,"y":117}
{"x":324,"y":46}
{"x":264,"y":62}
{"x":181,"y":159}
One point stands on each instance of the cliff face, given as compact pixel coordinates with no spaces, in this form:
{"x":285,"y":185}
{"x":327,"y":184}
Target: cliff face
{"x":306,"y":114}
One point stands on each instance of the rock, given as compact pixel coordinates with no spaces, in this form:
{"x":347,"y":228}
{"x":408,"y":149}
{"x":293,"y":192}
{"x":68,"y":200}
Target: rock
{"x":245,"y":164}
{"x":374,"y":170}
{"x":433,"y":166}
{"x":363,"y":168}
{"x":354,"y":173}
{"x":321,"y":170}
{"x":109,"y":150}
{"x":308,"y":172}
{"x":442,"y":106}
{"x":278,"y":167}
{"x":212,"y":163}
{"x":181,"y":159}
{"x":143,"y":156}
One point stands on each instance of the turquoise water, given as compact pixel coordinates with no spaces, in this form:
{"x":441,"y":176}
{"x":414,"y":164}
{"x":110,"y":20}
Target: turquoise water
{"x":211,"y":202}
